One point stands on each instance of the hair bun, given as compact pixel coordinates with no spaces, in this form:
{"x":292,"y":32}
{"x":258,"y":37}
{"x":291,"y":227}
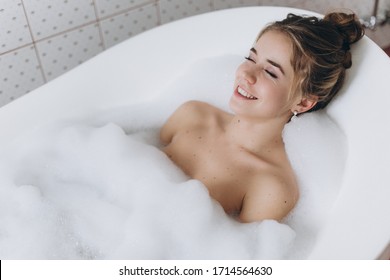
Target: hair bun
{"x":348,"y":25}
{"x":350,"y":30}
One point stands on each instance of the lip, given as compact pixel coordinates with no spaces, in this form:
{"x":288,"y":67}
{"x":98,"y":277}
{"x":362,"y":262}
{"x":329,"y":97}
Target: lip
{"x":238,"y":95}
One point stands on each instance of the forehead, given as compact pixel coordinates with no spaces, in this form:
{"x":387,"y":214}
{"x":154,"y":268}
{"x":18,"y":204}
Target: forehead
{"x":276,"y":46}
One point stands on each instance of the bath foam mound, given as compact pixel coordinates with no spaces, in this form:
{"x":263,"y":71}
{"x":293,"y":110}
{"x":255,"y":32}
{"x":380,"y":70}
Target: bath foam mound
{"x":100,"y":188}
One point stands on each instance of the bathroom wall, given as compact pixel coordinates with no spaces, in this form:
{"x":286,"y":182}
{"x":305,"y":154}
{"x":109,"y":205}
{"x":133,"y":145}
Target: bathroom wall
{"x":42,"y":39}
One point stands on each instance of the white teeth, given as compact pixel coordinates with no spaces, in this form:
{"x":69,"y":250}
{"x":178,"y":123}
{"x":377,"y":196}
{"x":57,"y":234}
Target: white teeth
{"x":245,"y":94}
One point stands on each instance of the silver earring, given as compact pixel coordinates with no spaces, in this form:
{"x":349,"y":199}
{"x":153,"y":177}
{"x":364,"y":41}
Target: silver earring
{"x":295,"y":116}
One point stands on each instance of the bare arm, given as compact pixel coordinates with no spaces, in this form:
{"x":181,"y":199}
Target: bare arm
{"x":270,"y":198}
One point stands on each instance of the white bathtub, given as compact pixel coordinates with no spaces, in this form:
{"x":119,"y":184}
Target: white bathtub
{"x":358,"y":226}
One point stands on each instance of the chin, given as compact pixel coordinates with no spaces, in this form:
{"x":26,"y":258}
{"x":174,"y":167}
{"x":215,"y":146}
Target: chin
{"x":240,"y":106}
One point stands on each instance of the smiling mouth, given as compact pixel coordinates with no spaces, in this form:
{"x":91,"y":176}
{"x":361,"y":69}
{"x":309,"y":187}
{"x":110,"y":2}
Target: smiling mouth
{"x":245,"y":94}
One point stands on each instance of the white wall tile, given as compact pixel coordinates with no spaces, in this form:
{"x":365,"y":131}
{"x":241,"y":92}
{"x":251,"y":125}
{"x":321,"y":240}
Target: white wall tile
{"x":109,"y":7}
{"x":14,"y":31}
{"x":63,"y":52}
{"x":176,"y":9}
{"x":227,"y":4}
{"x":20,"y":73}
{"x":118,"y":28}
{"x":48,"y":17}
{"x":315,"y":6}
{"x":360,"y":7}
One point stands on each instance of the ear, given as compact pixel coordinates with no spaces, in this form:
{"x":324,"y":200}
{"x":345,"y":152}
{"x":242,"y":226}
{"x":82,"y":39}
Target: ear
{"x":306,"y":104}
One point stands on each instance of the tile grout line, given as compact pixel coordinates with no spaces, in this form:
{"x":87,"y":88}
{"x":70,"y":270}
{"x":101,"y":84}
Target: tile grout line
{"x":114,"y":14}
{"x":34,"y":43}
{"x":17,"y":48}
{"x":212,"y":6}
{"x":158,"y":9}
{"x":95,"y":8}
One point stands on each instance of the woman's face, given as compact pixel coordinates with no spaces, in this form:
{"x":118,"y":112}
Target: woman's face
{"x":263,"y":81}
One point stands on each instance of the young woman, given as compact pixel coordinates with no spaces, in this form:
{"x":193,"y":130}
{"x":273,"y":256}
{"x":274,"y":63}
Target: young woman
{"x":296,"y":65}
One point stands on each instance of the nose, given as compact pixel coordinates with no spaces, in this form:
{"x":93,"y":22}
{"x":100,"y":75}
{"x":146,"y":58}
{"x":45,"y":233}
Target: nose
{"x":248,"y":75}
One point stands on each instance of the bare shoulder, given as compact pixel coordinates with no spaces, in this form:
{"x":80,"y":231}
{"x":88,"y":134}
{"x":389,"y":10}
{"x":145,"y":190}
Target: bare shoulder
{"x":187,"y":115}
{"x":269,"y":197}
{"x":194,"y":108}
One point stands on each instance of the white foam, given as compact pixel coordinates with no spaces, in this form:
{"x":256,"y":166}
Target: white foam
{"x":101,"y":188}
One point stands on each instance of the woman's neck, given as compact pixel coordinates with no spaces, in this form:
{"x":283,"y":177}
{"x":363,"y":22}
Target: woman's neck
{"x":255,"y":136}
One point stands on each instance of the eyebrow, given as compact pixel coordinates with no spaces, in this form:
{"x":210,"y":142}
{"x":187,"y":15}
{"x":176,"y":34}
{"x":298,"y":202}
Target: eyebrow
{"x":277,"y":65}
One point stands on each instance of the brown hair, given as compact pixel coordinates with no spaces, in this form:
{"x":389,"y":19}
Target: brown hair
{"x":321,"y":52}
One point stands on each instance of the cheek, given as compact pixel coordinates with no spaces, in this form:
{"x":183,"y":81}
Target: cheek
{"x":277,"y":96}
{"x":241,"y":70}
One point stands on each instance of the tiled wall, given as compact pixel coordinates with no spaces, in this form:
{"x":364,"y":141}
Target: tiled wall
{"x":42,"y":39}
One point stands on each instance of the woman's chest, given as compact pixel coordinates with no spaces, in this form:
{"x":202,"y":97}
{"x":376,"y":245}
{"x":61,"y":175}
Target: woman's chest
{"x":219,"y":166}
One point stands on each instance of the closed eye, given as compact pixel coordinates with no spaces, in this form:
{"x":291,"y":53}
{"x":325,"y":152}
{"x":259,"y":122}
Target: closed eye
{"x":273,"y":63}
{"x":250,"y":59}
{"x":271,"y":74}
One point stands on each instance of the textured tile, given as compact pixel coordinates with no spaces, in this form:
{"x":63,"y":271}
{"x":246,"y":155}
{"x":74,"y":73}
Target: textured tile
{"x":284,"y":3}
{"x":108,"y":7}
{"x":323,"y":7}
{"x":227,"y":4}
{"x":176,"y":9}
{"x":14,"y":31}
{"x":20,"y":73}
{"x":123,"y":26}
{"x":63,"y":52}
{"x":48,"y":17}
